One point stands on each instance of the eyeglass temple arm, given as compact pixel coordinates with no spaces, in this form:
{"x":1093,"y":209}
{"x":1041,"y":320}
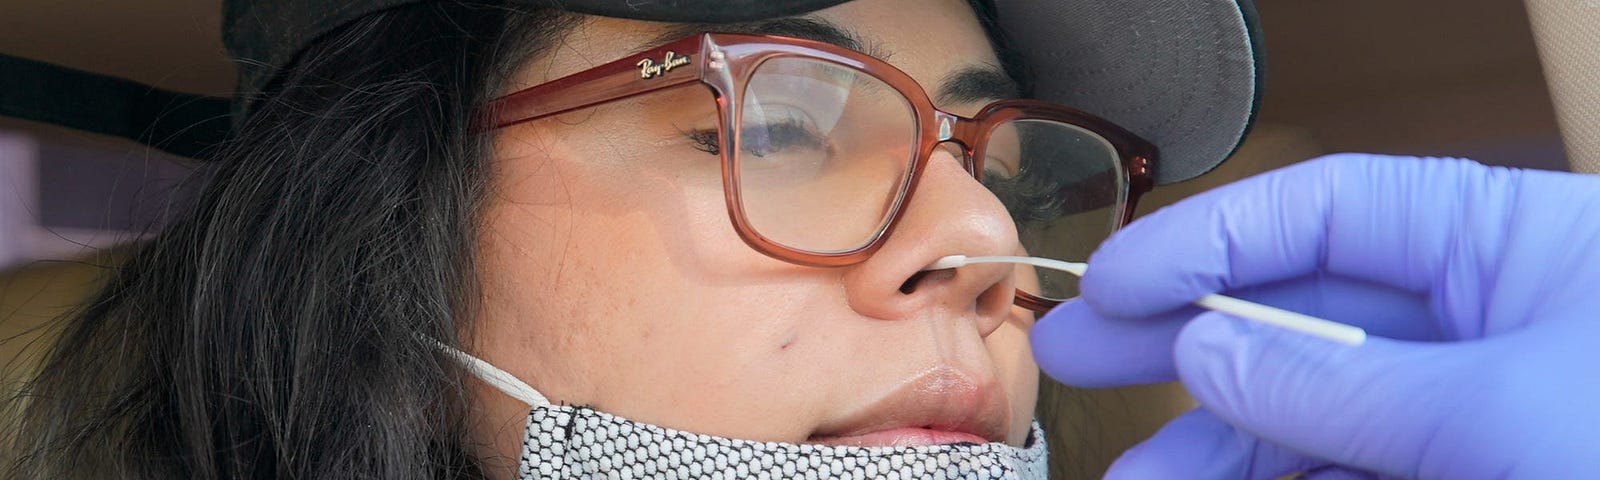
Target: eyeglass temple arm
{"x":667,"y":66}
{"x":1140,"y":182}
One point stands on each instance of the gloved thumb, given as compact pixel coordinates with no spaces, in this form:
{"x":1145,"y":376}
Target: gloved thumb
{"x":1378,"y":407}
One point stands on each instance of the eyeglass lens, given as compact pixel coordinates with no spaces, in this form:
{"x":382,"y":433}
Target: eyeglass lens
{"x":1064,"y":188}
{"x":824,"y":153}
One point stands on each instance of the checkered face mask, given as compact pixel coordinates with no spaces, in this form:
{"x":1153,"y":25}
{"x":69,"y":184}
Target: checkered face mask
{"x":576,"y":442}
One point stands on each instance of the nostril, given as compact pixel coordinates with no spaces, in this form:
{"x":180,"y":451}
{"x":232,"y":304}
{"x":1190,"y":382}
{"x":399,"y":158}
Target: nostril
{"x":910,"y":286}
{"x":911,"y":283}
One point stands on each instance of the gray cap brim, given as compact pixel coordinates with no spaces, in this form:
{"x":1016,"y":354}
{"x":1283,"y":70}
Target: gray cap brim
{"x":1184,"y":74}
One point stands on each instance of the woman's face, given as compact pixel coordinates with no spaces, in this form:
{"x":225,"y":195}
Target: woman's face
{"x":612,"y":277}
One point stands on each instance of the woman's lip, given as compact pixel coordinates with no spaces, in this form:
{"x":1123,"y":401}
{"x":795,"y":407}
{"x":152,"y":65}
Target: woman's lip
{"x":899,"y":437}
{"x":942,"y":399}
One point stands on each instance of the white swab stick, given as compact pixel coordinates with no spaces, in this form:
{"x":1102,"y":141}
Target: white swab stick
{"x":1299,"y":322}
{"x":1338,"y":332}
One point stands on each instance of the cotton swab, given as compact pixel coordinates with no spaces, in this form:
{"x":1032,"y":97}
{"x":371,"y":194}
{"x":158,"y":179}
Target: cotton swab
{"x":1274,"y":316}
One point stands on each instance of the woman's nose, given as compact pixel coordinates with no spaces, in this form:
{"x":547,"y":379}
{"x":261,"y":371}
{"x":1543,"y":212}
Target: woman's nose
{"x":949,"y":213}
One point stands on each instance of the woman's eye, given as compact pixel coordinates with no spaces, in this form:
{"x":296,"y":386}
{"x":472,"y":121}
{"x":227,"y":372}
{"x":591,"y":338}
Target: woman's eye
{"x":789,"y":135}
{"x":785,"y":132}
{"x":1004,"y":166}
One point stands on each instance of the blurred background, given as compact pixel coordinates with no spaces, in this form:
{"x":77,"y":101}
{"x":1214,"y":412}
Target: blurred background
{"x":1458,"y":78}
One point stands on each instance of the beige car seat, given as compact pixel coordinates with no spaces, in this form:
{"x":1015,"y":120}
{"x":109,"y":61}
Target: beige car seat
{"x":1568,"y":35}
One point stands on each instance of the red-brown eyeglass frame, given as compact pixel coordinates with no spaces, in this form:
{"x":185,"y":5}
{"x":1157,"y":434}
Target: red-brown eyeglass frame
{"x":724,"y":63}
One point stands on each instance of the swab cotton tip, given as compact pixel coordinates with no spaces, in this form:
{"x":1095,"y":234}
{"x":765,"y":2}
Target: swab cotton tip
{"x":1335,"y":331}
{"x":951,"y":261}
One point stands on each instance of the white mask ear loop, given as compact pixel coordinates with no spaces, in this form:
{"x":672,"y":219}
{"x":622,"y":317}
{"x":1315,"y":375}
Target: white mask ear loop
{"x":1338,"y":332}
{"x":497,"y":378}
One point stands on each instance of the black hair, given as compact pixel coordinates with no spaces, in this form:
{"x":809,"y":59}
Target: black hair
{"x":284,"y":326}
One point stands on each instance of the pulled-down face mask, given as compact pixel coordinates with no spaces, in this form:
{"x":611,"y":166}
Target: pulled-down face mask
{"x":563,"y":441}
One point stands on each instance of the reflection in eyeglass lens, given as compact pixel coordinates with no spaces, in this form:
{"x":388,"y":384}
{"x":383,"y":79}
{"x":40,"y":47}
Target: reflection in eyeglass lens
{"x":1064,"y":188}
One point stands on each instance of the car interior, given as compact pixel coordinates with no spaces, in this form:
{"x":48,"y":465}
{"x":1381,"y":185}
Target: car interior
{"x":1507,"y":83}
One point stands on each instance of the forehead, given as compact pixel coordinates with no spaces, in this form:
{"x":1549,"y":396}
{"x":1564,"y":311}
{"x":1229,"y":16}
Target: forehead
{"x":928,"y":39}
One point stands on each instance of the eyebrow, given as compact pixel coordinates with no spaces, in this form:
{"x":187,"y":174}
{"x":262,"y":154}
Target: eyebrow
{"x":971,"y":84}
{"x":977,"y":84}
{"x":808,"y":28}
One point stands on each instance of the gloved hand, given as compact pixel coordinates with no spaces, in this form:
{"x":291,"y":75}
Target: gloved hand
{"x":1481,"y":287}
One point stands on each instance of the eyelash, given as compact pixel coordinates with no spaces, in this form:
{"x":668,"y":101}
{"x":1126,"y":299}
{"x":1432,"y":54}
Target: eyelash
{"x":704,"y":140}
{"x":709,"y":141}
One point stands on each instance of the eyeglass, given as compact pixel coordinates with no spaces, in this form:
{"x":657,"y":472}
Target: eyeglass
{"x":821,"y":148}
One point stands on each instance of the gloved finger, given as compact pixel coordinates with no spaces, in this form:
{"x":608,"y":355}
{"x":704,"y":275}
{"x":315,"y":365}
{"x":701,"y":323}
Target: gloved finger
{"x":1198,"y":445}
{"x":1380,"y":310}
{"x":1077,"y":346}
{"x":1375,"y":407}
{"x":1338,"y":473}
{"x":1378,"y":219}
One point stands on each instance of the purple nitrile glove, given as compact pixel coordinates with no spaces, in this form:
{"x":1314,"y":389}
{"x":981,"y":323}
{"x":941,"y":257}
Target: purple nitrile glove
{"x":1480,"y":286}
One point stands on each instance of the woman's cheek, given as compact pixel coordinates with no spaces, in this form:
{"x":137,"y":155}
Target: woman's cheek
{"x":1013,"y":359}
